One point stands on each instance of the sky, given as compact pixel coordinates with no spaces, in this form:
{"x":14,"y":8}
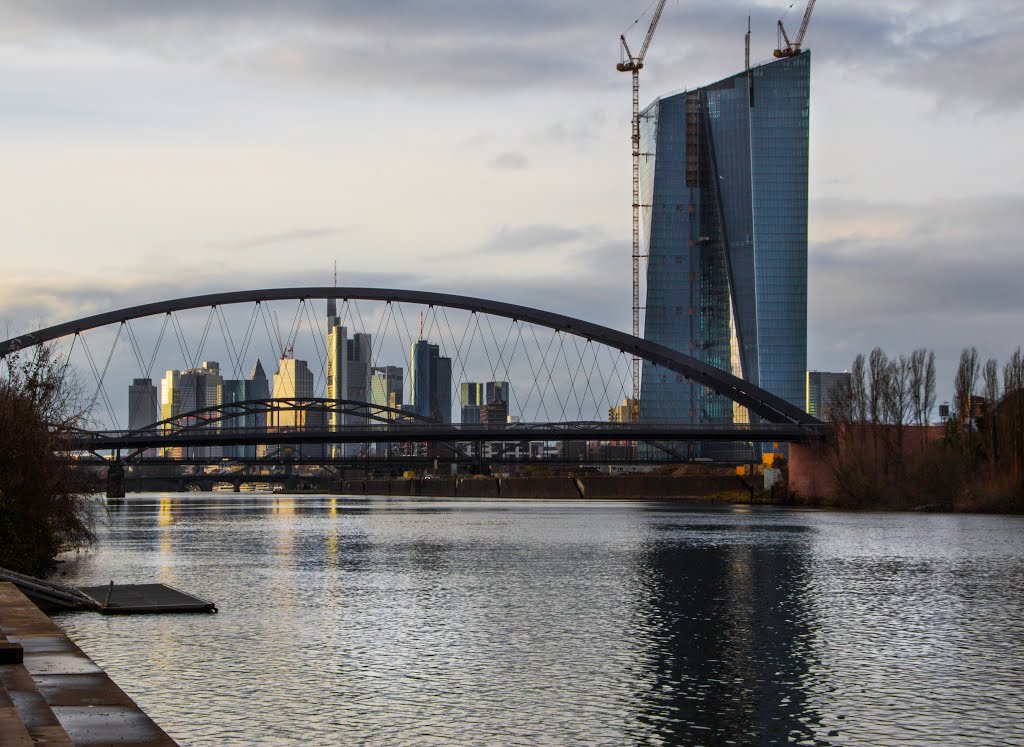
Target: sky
{"x":152,"y":150}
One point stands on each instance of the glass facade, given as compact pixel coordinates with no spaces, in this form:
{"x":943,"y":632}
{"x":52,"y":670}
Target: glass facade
{"x":723,"y":181}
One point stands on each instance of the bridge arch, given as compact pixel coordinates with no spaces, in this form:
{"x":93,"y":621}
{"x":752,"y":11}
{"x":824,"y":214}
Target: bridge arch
{"x":758,"y":401}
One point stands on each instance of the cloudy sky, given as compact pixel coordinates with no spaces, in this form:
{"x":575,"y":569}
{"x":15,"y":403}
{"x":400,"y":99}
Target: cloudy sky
{"x":152,"y":149}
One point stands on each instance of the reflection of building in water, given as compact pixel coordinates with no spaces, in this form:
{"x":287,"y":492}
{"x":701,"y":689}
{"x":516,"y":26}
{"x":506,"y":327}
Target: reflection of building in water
{"x":730,"y":629}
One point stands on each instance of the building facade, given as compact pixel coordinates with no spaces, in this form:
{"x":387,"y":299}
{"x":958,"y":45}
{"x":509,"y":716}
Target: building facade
{"x":431,"y":382}
{"x":142,"y":409}
{"x":724,"y":205}
{"x":820,"y":387}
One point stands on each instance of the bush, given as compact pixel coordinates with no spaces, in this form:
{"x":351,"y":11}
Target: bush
{"x":43,"y":511}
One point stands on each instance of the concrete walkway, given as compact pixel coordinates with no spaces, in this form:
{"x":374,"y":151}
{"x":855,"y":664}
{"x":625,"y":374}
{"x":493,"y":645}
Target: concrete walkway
{"x":51,"y":693}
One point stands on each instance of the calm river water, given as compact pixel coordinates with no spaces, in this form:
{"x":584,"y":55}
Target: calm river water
{"x":348,"y":621}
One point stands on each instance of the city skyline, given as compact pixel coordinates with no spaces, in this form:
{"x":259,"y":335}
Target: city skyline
{"x":914,"y":215}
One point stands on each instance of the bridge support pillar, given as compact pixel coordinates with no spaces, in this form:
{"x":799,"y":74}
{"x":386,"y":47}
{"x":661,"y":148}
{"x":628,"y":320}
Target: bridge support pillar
{"x":236,"y":486}
{"x":115,"y":480}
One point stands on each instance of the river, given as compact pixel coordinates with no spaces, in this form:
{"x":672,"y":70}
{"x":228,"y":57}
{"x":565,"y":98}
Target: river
{"x":350,"y":621}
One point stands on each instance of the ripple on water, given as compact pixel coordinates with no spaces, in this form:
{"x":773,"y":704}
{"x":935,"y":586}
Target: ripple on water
{"x":352,"y":621}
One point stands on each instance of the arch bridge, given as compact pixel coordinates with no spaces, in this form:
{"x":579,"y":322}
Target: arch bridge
{"x":770,"y":417}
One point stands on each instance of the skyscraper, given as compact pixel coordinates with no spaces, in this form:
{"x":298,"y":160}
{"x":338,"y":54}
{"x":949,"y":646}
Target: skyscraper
{"x":386,"y":386}
{"x":141,"y":404}
{"x":357,"y":362}
{"x":821,"y":386}
{"x":495,"y":392}
{"x":182,"y":392}
{"x":431,"y":376}
{"x":724,"y":194}
{"x":471,"y":398}
{"x":294,"y":380}
{"x":256,"y":387}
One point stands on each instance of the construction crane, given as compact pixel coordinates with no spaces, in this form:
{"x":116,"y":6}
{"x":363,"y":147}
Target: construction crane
{"x":792,"y":48}
{"x":629,"y":63}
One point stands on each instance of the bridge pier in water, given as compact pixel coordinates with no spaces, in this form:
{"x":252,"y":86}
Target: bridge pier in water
{"x":115,"y":480}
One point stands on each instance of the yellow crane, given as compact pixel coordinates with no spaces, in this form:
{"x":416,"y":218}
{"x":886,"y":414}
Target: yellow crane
{"x":629,"y":63}
{"x":792,"y":48}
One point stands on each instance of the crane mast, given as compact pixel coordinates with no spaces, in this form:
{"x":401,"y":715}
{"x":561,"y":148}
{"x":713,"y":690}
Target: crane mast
{"x":633,"y":64}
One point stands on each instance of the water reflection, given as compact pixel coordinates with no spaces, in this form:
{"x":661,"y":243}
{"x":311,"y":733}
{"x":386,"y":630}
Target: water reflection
{"x":726,"y":630}
{"x":377,"y":621}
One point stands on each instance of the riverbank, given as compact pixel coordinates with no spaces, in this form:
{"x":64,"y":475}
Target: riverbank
{"x":52,"y":693}
{"x":585,"y":486}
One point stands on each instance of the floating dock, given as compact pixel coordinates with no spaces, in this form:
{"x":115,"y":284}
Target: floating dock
{"x":112,"y":599}
{"x":141,"y":599}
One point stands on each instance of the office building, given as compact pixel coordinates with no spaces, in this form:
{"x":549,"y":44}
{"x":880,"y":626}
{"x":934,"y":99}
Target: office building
{"x":182,"y":392}
{"x":471,"y":398}
{"x":257,"y":386}
{"x":821,"y":386}
{"x":386,"y":386}
{"x":724,"y":195}
{"x":496,"y":391}
{"x":142,"y":409}
{"x":431,"y":382}
{"x":357,"y":361}
{"x":624,"y":413}
{"x":294,"y":380}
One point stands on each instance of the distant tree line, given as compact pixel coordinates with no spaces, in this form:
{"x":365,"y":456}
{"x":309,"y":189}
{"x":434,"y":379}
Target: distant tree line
{"x":42,"y":498}
{"x":885,"y":450}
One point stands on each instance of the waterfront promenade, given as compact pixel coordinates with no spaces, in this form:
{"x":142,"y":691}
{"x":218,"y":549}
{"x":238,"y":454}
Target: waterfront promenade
{"x":52,"y":693}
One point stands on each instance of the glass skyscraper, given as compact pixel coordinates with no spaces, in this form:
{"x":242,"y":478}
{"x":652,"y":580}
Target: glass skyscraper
{"x":723,"y":181}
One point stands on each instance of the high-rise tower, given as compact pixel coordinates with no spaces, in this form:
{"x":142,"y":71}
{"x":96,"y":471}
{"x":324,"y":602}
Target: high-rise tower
{"x":724,"y":189}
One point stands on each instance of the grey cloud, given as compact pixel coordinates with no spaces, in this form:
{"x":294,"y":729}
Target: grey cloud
{"x":531,"y":238}
{"x":948,"y":276}
{"x":285,"y":237}
{"x":510,"y":161}
{"x":966,"y":52}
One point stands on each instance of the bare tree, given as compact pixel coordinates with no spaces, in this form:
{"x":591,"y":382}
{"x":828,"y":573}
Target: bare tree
{"x":42,"y":511}
{"x":897,"y":406}
{"x":964,"y":383}
{"x":929,"y":387}
{"x":878,"y":370}
{"x":858,"y":391}
{"x":917,"y":363}
{"x":1012,"y":412}
{"x":990,"y":381}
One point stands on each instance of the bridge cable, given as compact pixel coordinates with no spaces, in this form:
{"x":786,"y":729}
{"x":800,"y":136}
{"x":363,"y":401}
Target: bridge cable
{"x":501,"y":351}
{"x":575,"y":376}
{"x":534,"y":378}
{"x":457,"y":345}
{"x":546,"y":369}
{"x":135,"y":348}
{"x":100,"y":389}
{"x":317,"y":345}
{"x":250,"y":330}
{"x":588,"y":348}
{"x":572,"y":386}
{"x":229,"y":343}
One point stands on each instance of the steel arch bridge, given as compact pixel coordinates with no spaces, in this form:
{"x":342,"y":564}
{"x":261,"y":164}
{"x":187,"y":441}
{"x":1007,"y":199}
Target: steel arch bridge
{"x":771,"y":410}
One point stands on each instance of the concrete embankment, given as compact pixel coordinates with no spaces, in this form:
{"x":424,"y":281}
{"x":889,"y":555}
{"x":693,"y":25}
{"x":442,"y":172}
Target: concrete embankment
{"x":621,"y":487}
{"x":52,"y":693}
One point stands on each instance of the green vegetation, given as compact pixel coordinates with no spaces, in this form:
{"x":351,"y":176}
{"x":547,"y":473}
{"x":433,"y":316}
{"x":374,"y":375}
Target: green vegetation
{"x":885,"y":452}
{"x":43,"y":511}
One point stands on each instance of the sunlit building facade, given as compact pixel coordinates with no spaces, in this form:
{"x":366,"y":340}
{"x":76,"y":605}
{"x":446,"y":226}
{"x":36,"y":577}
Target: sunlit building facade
{"x":723,"y":182}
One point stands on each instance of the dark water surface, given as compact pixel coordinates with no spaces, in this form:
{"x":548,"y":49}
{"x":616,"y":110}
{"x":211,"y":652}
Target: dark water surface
{"x":348,"y":621}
